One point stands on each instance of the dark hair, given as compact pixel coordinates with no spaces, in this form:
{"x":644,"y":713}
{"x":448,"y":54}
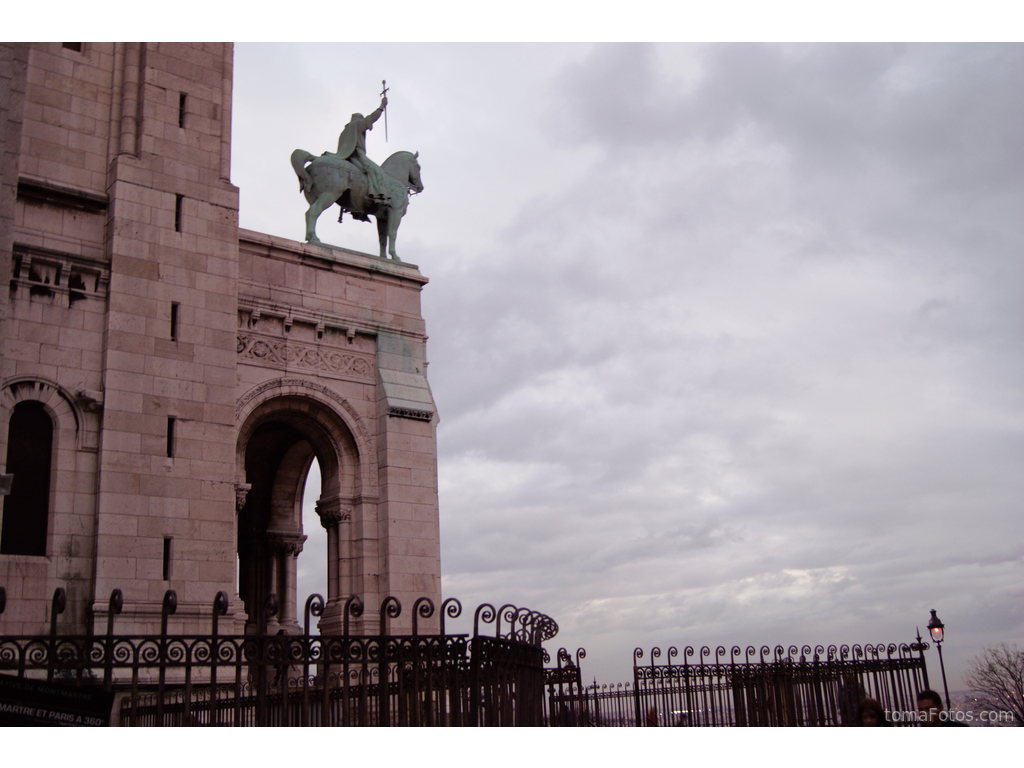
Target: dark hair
{"x":871,"y":705}
{"x":929,"y":695}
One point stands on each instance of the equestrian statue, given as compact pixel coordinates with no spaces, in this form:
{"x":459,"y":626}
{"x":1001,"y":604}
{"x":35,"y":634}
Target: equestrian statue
{"x":357,"y":184}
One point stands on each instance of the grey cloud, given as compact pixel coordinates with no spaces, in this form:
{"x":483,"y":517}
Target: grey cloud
{"x":728,"y":348}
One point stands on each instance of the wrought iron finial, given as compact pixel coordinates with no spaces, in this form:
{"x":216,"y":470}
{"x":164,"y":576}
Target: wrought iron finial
{"x":220,"y":608}
{"x":170,"y":602}
{"x":57,"y":605}
{"x":314,"y":607}
{"x":114,"y":607}
{"x":167,"y":608}
{"x":509,"y":611}
{"x":353,"y":608}
{"x":451,"y":608}
{"x":220,"y":603}
{"x":421,"y":609}
{"x":391,"y":608}
{"x":484,"y":612}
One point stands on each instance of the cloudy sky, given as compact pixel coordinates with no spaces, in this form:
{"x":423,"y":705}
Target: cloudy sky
{"x":726,"y":340}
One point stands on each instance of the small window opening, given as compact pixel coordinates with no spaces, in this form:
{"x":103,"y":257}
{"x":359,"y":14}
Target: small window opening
{"x":170,"y":437}
{"x":76,"y":47}
{"x":174,"y":321}
{"x":76,"y":288}
{"x":167,"y":558}
{"x":177,"y":212}
{"x":15,"y":274}
{"x":181,"y":111}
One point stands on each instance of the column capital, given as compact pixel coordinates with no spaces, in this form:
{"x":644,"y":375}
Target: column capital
{"x":241,"y":491}
{"x":286,"y":543}
{"x":331,"y":512}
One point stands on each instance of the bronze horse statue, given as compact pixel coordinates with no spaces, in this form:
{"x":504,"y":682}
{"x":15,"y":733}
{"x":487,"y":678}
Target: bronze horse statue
{"x":326,"y":180}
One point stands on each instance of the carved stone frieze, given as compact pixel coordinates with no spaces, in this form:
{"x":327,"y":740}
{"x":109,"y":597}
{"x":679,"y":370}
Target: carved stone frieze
{"x":410,"y":413}
{"x":282,"y":353}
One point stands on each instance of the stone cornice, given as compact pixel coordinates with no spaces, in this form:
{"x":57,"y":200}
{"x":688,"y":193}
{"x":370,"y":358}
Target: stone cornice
{"x":327,"y":256}
{"x":43,"y":191}
{"x":333,"y":320}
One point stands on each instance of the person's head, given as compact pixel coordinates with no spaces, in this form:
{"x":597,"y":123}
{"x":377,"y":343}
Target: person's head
{"x":870,"y":714}
{"x":356,"y":116}
{"x":929,"y":704}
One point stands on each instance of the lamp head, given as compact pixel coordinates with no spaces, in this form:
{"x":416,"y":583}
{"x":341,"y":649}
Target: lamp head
{"x":936,"y":627}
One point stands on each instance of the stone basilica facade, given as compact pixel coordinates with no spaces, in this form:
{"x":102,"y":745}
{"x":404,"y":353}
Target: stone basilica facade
{"x":166,"y":378}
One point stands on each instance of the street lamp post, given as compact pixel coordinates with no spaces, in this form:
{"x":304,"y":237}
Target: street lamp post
{"x":936,"y":627}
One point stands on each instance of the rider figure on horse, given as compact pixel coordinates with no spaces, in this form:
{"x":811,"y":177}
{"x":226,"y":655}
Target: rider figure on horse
{"x":352,"y":147}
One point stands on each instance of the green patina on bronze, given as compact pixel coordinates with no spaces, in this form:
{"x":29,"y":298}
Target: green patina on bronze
{"x":357,"y":184}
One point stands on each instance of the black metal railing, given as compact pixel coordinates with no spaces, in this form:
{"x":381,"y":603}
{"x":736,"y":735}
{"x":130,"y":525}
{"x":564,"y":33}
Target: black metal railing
{"x":305,"y":680}
{"x":754,"y":687}
{"x":564,"y":702}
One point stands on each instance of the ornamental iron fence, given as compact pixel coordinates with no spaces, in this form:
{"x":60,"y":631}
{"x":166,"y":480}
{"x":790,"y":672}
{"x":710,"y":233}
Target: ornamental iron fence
{"x":777,"y":687}
{"x":564,"y":703}
{"x":753,"y":687}
{"x":304,"y":680}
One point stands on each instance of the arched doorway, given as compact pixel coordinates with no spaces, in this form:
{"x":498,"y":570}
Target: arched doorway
{"x":278,"y":441}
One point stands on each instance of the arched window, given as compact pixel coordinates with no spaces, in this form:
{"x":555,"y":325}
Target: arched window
{"x":27,"y":507}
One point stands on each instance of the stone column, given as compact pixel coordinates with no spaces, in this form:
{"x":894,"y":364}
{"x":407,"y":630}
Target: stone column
{"x":274,"y":562}
{"x":332,"y":515}
{"x":241,"y":493}
{"x":285,"y":548}
{"x":329,"y":512}
{"x":130,"y":104}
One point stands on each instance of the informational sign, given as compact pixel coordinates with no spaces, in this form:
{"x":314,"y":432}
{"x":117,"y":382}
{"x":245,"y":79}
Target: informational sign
{"x":37,"y":702}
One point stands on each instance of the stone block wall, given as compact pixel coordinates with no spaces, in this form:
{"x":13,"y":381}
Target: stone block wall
{"x":123,"y":267}
{"x":193,"y":370}
{"x":349,"y":326}
{"x":165,"y":516}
